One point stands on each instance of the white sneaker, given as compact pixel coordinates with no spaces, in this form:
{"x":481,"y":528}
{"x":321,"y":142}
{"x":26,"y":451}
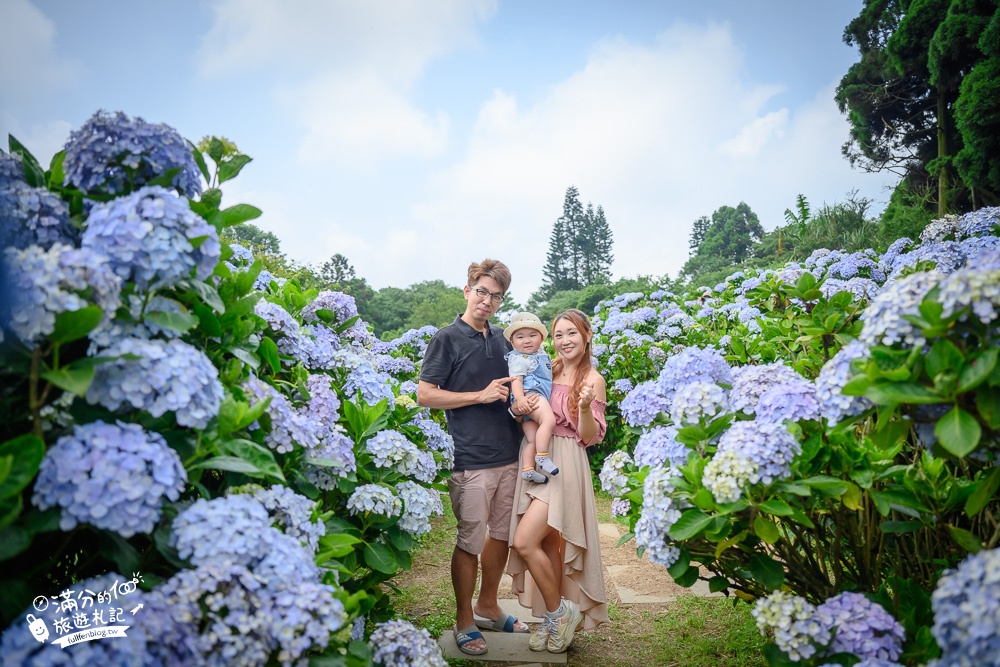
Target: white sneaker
{"x":539,"y":639}
{"x":562,"y":636}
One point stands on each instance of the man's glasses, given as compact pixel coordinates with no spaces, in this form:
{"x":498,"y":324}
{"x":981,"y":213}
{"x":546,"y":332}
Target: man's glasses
{"x":482,"y":293}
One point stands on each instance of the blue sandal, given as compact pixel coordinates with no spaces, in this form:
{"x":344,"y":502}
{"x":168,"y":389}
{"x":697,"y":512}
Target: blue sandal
{"x":466,"y":636}
{"x":503,"y":623}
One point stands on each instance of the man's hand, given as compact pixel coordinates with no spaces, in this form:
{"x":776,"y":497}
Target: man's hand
{"x":495,"y":391}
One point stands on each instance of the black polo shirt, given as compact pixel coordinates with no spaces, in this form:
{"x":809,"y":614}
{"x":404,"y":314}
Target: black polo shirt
{"x":461,"y":359}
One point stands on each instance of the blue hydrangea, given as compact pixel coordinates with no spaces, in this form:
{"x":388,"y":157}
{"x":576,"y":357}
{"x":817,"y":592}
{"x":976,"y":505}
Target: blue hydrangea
{"x":613,"y":477}
{"x":696,"y":401}
{"x":797,"y":629}
{"x":946,"y":256}
{"x":364,"y":378}
{"x":419,"y":505}
{"x":861,"y":627}
{"x":858,"y":264}
{"x":834,"y":405}
{"x":19,"y":648}
{"x":11,"y":170}
{"x":112,"y":476}
{"x":983,"y":222}
{"x":769,"y":446}
{"x":45,"y":283}
{"x":408,"y":387}
{"x":862,"y":289}
{"x":289,"y":511}
{"x":168,"y":376}
{"x":332,"y":458}
{"x":973,"y":288}
{"x":136,"y":324}
{"x":394,"y":365}
{"x":966,"y":607}
{"x":34,"y":216}
{"x":343,"y":307}
{"x":641,"y":405}
{"x":795,"y":401}
{"x":112,"y":152}
{"x":398,"y":643}
{"x":658,"y":514}
{"x":623,"y":385}
{"x":884,"y":322}
{"x":153,"y":238}
{"x":658,"y":446}
{"x":376,"y":499}
{"x":749,"y":382}
{"x":898,"y":247}
{"x":241,"y":254}
{"x":941,"y":229}
{"x":229,"y":526}
{"x":264,"y":280}
{"x":391,"y":449}
{"x":288,"y":425}
{"x":437,"y":440}
{"x":726,"y":475}
{"x":694,"y":364}
{"x":620,"y":507}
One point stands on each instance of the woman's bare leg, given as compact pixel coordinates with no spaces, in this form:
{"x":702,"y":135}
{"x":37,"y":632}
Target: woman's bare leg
{"x":531,"y":532}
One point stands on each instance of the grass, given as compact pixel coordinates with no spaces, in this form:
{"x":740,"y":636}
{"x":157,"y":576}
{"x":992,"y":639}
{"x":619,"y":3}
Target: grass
{"x":689,"y":632}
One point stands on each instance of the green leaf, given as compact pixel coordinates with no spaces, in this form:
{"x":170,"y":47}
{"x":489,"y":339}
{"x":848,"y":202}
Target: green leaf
{"x":232,"y":167}
{"x":199,"y":160}
{"x":692,"y":522}
{"x":767,"y":572}
{"x":13,"y":540}
{"x":34,"y":175}
{"x":260,"y":457}
{"x":900,"y":392}
{"x":776,"y":657}
{"x":976,"y":372}
{"x":268,"y":352}
{"x":27,"y":452}
{"x":828,"y":486}
{"x":943,"y":356}
{"x":57,"y":177}
{"x":244,"y":355}
{"x":229,"y":464}
{"x":10,"y":509}
{"x":988,"y":406}
{"x":206,"y":293}
{"x":207,"y":319}
{"x":380,"y":558}
{"x":766,"y":530}
{"x":966,"y":539}
{"x":119,"y":551}
{"x":717,"y":584}
{"x":76,"y":324}
{"x":337,"y":545}
{"x":986,"y":489}
{"x":75,"y":380}
{"x":958,"y":432}
{"x":240,"y":213}
{"x":182,"y":322}
{"x":681,"y":565}
{"x":898,"y":527}
{"x":777,"y":507}
{"x":688,"y":578}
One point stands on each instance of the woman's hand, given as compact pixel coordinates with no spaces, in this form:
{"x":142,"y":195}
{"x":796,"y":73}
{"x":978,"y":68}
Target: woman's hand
{"x":587,"y":396}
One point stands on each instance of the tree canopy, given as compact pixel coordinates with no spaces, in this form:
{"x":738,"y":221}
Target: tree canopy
{"x":727,"y":239}
{"x":580,"y":248}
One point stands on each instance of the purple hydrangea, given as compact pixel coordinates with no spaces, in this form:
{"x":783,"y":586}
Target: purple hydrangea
{"x":168,"y":376}
{"x":973,"y":288}
{"x":376,"y":499}
{"x":613,"y":478}
{"x":289,"y":511}
{"x":749,"y":382}
{"x":437,"y":440}
{"x":620,"y":507}
{"x":983,"y":222}
{"x":153,"y":238}
{"x":399,"y":643}
{"x":11,"y":170}
{"x":884,"y":321}
{"x":112,"y":476}
{"x":229,"y":527}
{"x":696,"y":401}
{"x":862,"y":289}
{"x":623,"y":385}
{"x":341,"y":305}
{"x":34,"y":216}
{"x":288,"y":425}
{"x":798,"y":630}
{"x":861,"y":627}
{"x":834,"y":405}
{"x":659,"y":447}
{"x":45,"y":283}
{"x":966,"y":607}
{"x":642,"y":405}
{"x":946,"y":257}
{"x":795,"y":401}
{"x":694,"y":364}
{"x":419,"y":505}
{"x":767,"y":446}
{"x":658,"y":514}
{"x":332,"y":458}
{"x":112,"y":152}
{"x":364,"y":378}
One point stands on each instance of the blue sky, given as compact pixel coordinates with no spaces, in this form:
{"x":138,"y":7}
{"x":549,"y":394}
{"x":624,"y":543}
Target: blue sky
{"x":417,"y":136}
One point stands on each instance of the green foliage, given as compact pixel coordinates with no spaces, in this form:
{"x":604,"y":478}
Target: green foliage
{"x":580,"y":249}
{"x":729,"y":240}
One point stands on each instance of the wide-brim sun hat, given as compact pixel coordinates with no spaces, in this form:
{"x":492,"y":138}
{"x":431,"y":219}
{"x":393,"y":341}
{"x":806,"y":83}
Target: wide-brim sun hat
{"x":525,"y":321}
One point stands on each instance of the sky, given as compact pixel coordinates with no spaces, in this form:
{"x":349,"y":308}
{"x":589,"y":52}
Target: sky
{"x":417,"y":136}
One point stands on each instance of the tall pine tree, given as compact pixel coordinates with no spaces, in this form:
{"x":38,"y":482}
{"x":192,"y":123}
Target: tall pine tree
{"x":580,"y":248}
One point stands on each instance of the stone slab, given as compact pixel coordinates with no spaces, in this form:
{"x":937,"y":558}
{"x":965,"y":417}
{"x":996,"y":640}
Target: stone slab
{"x":514,"y":608}
{"x":629,"y":596}
{"x":609,"y":530}
{"x":503,"y":647}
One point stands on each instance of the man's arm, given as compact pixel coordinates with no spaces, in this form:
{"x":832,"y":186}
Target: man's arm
{"x":432,"y":396}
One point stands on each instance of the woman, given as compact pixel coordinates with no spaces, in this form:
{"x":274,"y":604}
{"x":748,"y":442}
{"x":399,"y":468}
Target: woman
{"x":556,"y":557}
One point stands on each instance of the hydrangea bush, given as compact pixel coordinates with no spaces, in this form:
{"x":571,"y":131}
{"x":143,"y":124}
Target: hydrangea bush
{"x":244,"y":444}
{"x":828,"y":430}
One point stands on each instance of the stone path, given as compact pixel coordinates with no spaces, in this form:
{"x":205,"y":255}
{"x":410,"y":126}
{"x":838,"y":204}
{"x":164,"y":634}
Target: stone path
{"x":628,"y":580}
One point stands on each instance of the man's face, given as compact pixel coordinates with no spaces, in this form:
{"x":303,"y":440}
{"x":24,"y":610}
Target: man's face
{"x":481,"y":307}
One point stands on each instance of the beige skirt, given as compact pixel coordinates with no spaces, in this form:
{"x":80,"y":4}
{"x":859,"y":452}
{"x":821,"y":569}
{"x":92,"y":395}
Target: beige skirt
{"x":572,"y":512}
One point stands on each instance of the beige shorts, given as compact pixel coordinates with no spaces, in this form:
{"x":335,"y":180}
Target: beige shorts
{"x":482,"y":501}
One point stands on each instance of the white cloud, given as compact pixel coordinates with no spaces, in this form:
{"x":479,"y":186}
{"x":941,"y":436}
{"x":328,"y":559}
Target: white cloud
{"x":649,"y":132}
{"x":28,"y":59}
{"x":43,"y":139}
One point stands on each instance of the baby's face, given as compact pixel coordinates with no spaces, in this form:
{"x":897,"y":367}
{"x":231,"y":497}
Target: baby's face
{"x":526,"y":341}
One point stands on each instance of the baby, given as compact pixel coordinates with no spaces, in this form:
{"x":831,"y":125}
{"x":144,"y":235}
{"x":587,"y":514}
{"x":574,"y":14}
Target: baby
{"x":531,"y":369}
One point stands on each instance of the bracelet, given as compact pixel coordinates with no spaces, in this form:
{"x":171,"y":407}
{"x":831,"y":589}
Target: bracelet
{"x":511,"y":411}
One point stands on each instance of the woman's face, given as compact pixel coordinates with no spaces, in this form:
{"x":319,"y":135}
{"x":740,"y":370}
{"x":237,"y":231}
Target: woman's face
{"x":569,"y":341}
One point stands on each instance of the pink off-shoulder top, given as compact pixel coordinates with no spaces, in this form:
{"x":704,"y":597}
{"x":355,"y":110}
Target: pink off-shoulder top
{"x":567,"y":426}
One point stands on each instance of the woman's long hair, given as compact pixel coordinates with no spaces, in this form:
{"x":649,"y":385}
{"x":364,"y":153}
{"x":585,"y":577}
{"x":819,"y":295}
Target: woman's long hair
{"x":580,"y":320}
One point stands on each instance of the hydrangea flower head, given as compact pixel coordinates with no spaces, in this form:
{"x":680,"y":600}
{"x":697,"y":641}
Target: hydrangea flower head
{"x":794,"y":401}
{"x":696,"y":401}
{"x":749,"y":382}
{"x":659,"y":447}
{"x":153,"y":238}
{"x":34,"y":216}
{"x":726,"y":475}
{"x":659,"y":512}
{"x":419,"y":505}
{"x":290,"y":511}
{"x":620,"y":507}
{"x":973,"y":288}
{"x":111,"y":151}
{"x":767,"y":445}
{"x":288,"y":425}
{"x":336,"y":449}
{"x":694,"y":364}
{"x":836,"y":373}
{"x":883,"y":318}
{"x":398,"y":643}
{"x":112,"y":476}
{"x":861,"y":627}
{"x":228,"y":526}
{"x":966,"y":607}
{"x":168,"y":376}
{"x":343,"y":306}
{"x":641,"y":405}
{"x":796,"y":626}
{"x":376,"y":499}
{"x":613,"y":477}
{"x":45,"y":283}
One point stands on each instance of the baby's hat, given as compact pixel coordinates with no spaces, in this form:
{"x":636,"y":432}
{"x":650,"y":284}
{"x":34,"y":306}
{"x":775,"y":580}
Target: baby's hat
{"x":525,"y":321}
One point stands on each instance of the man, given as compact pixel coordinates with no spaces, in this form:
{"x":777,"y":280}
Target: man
{"x":464,"y":373}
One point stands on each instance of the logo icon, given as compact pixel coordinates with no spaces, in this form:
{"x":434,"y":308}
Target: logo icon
{"x":39,"y":630}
